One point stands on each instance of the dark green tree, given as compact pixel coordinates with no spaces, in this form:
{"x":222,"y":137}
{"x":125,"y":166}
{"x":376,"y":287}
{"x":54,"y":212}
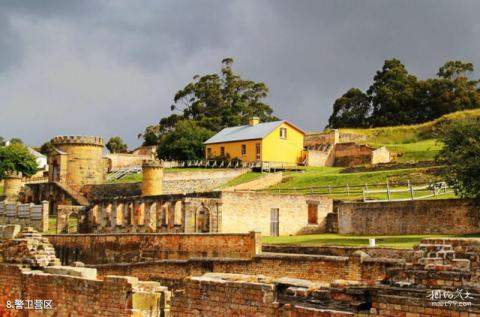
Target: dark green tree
{"x":352,"y":110}
{"x":460,"y":158}
{"x":17,"y":158}
{"x":214,"y":101}
{"x":46,"y":148}
{"x":454,"y":69}
{"x":116,"y":145}
{"x":185,"y":142}
{"x":16,"y":141}
{"x":393,"y":95}
{"x":2,"y":141}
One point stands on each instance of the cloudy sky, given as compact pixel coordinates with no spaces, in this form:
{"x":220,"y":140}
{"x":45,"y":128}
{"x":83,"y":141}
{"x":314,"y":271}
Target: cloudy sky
{"x":112,"y":67}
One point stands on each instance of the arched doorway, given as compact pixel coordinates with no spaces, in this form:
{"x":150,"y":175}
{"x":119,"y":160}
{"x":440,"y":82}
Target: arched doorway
{"x":203,"y":220}
{"x":72,"y":223}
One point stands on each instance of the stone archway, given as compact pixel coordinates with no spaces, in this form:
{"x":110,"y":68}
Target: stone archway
{"x":203,"y":220}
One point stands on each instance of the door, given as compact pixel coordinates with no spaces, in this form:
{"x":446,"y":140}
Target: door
{"x":312,"y":214}
{"x":274,"y":222}
{"x":257,"y":151}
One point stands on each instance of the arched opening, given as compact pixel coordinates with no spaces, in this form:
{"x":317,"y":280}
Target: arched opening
{"x":55,"y":171}
{"x":203,"y":220}
{"x":72,"y":223}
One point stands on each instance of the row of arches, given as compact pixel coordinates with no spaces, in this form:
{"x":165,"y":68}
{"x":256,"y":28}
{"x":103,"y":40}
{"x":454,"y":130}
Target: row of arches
{"x":171,"y":216}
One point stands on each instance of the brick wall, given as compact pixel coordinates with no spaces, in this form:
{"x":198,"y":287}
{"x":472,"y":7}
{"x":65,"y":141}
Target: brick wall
{"x":77,"y":296}
{"x":375,"y":252}
{"x":117,"y":248}
{"x":316,"y":268}
{"x":444,"y":216}
{"x":245,"y":211}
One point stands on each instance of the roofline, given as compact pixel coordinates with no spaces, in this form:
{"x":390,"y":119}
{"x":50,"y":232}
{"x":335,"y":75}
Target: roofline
{"x":294,"y":126}
{"x":206,"y":143}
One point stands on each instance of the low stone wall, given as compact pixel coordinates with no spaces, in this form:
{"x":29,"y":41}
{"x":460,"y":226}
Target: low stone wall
{"x":375,"y":252}
{"x":120,"y":160}
{"x":130,"y":248}
{"x":443,"y":216}
{"x":198,"y":181}
{"x":262,"y":182}
{"x":325,"y":269}
{"x":27,"y":215}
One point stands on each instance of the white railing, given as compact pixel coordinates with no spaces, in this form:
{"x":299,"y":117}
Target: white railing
{"x":433,"y":189}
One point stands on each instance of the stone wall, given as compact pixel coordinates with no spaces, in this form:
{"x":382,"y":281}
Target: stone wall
{"x":28,"y":215}
{"x":443,"y":216}
{"x":198,"y":181}
{"x":246,"y":211}
{"x":121,"y":160}
{"x":318,"y":268}
{"x":33,"y":283}
{"x":381,"y":155}
{"x":376,"y":252}
{"x":262,"y":182}
{"x":316,"y":138}
{"x":321,"y":158}
{"x":130,"y":248}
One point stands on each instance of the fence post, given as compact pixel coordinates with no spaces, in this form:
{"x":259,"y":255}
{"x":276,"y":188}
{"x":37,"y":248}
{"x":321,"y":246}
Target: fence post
{"x":329,"y":189}
{"x":348,"y":190}
{"x":364,"y":193}
{"x":388,"y":191}
{"x":410,"y":187}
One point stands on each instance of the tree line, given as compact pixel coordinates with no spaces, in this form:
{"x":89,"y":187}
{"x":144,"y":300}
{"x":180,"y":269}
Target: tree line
{"x":397,"y":97}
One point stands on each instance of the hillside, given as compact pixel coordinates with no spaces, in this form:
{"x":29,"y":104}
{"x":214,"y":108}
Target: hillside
{"x":413,"y":133}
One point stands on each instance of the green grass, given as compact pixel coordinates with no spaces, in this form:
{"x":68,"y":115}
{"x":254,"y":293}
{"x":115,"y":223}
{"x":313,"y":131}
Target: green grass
{"x":414,"y":152}
{"x":309,"y":181}
{"x":402,"y":242}
{"x":247,"y":177}
{"x":413,"y":133}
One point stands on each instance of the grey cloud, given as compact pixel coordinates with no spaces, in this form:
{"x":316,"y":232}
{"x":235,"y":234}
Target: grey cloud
{"x":112,"y":67}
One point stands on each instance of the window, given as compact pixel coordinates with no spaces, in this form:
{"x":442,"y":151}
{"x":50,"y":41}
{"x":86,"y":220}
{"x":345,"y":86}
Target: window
{"x":222,"y":151}
{"x":209,"y":152}
{"x":244,"y":149}
{"x":283,"y":133}
{"x":274,"y":222}
{"x":257,"y":151}
{"x":312,"y":214}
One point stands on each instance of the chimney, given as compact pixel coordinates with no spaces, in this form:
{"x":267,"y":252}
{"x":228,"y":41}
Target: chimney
{"x":253,"y":121}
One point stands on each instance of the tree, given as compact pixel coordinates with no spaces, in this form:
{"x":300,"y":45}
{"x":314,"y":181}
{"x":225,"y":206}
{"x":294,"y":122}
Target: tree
{"x":459,"y":156}
{"x":454,"y":69}
{"x":392,"y":95}
{"x":185,"y":142}
{"x":46,"y":148}
{"x":214,"y":101}
{"x":116,"y":145}
{"x":352,"y":110}
{"x":16,"y":141}
{"x":17,"y":158}
{"x":2,"y":141}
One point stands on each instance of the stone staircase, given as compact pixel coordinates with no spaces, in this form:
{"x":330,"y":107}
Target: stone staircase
{"x":74,"y":194}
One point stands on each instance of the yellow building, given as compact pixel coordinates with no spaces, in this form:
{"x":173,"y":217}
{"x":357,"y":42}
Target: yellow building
{"x":278,"y":141}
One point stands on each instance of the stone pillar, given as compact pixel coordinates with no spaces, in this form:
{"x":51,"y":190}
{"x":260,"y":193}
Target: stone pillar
{"x":152,"y":178}
{"x":44,"y":221}
{"x":12,"y":184}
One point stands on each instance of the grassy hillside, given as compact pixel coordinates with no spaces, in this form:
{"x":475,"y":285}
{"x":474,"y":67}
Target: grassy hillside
{"x":413,"y":133}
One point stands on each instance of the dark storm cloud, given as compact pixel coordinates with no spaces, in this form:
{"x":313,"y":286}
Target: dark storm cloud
{"x":112,"y":67}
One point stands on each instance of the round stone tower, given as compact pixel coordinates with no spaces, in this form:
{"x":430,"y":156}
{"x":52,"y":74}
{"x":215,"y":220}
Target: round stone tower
{"x":12,"y":184}
{"x":152,"y":178}
{"x":83,"y":157}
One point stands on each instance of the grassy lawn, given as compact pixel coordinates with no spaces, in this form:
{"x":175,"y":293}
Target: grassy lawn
{"x":402,"y":242}
{"x":247,"y":177}
{"x":414,"y":152}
